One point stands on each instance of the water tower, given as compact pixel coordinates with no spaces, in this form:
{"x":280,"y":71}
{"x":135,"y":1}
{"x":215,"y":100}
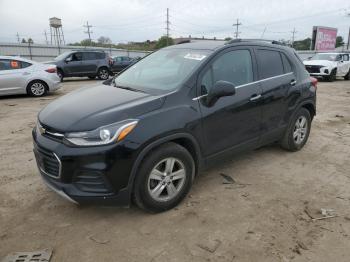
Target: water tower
{"x":56,"y":31}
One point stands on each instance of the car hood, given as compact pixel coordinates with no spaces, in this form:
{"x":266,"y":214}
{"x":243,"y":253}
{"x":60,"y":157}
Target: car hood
{"x":320,"y":63}
{"x":92,"y":107}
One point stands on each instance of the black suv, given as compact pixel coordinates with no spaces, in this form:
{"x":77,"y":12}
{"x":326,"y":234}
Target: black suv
{"x":146,"y":136}
{"x":83,"y":63}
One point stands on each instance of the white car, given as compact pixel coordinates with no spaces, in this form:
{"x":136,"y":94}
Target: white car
{"x":23,"y":76}
{"x":329,"y":65}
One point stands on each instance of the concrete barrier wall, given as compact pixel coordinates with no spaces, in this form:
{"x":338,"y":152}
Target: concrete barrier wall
{"x":38,"y":52}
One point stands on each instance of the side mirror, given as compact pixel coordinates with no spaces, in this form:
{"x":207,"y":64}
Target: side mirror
{"x":221,"y":88}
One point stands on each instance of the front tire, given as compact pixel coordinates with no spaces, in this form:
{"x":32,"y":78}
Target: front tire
{"x":347,"y":76}
{"x":103,"y":73}
{"x":333,"y":75}
{"x":298,"y":131}
{"x":164,"y":178}
{"x":60,"y":74}
{"x":37,"y":88}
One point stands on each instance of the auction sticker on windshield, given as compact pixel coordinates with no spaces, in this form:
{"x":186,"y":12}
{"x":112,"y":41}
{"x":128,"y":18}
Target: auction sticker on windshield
{"x":195,"y":56}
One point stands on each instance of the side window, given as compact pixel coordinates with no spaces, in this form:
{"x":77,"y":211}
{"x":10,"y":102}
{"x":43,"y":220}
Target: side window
{"x":25,"y":64}
{"x":118,"y":59}
{"x":100,"y":55}
{"x":270,"y":63}
{"x":346,"y":57}
{"x":89,"y":56}
{"x":7,"y":64}
{"x":338,"y":58}
{"x":77,"y":57}
{"x":286,"y":64}
{"x":233,"y":66}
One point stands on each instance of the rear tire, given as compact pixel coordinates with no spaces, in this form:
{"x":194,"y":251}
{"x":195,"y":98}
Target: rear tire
{"x":164,"y":178}
{"x":298,"y":131}
{"x":103,"y":73}
{"x":37,"y":88}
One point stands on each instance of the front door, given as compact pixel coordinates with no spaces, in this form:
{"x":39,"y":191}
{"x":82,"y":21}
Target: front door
{"x":73,"y":65}
{"x":233,"y":121}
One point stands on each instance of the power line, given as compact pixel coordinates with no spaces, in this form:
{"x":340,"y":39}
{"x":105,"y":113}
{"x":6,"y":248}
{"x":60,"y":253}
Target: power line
{"x":237,"y":24}
{"x":89,"y":32}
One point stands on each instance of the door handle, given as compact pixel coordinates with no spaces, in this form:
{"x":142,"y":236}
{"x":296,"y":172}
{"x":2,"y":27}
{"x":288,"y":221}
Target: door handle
{"x":293,"y":82}
{"x":255,"y":97}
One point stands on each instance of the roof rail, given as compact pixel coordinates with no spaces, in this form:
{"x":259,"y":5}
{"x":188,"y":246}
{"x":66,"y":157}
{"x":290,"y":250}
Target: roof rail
{"x":184,"y":42}
{"x":87,"y":49}
{"x":238,"y":40}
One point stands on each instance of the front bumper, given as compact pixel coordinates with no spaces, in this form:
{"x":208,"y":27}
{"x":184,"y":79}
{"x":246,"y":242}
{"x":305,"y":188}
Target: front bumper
{"x":90,"y":175}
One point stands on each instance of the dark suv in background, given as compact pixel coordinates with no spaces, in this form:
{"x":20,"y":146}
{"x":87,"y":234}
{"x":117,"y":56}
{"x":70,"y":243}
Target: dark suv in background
{"x":147,"y":135}
{"x":83,"y":63}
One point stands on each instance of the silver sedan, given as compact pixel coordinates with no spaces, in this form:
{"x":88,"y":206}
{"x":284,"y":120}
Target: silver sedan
{"x":23,"y":76}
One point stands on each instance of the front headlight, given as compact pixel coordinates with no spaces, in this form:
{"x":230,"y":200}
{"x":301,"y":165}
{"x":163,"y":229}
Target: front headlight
{"x":104,"y":135}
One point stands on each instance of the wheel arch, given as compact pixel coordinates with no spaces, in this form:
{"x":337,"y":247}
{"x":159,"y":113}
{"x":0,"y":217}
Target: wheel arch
{"x":184,"y":139}
{"x":37,"y":80}
{"x":310,"y":107}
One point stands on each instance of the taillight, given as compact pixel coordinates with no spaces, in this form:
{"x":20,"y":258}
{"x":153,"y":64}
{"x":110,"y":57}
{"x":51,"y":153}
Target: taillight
{"x":51,"y":70}
{"x":314,"y":82}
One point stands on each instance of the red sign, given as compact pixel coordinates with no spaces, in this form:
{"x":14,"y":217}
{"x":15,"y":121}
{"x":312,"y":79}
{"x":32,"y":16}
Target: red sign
{"x":325,"y":38}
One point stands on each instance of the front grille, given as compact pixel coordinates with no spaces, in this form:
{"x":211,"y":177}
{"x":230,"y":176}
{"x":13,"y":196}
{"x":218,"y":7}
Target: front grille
{"x":313,"y":68}
{"x":48,"y":162}
{"x":91,"y":181}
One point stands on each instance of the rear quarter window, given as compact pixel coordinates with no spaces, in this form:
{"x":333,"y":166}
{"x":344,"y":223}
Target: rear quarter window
{"x":269,"y":63}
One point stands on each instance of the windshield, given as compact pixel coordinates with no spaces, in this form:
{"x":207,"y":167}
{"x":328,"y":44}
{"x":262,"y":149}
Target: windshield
{"x":163,"y":70}
{"x":329,"y":57}
{"x":61,"y":56}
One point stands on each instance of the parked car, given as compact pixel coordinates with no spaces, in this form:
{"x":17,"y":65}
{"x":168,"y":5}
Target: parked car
{"x":329,"y":66}
{"x":23,"y":76}
{"x":148,"y":135}
{"x":121,"y":62}
{"x":83,"y":63}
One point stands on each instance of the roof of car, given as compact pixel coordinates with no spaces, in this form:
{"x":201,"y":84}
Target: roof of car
{"x":214,"y":45}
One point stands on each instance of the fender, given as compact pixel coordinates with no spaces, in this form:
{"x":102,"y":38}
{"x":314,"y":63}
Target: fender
{"x":156,"y":143}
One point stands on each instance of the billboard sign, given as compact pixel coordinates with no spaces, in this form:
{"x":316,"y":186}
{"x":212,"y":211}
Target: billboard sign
{"x":324,"y":38}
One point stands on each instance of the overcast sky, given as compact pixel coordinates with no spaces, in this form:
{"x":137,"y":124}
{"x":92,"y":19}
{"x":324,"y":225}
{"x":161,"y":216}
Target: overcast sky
{"x":139,"y":20}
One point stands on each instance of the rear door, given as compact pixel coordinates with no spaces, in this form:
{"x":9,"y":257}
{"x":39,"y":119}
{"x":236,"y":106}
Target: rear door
{"x":89,"y":63}
{"x":276,"y":76}
{"x":233,"y":120}
{"x":13,"y":76}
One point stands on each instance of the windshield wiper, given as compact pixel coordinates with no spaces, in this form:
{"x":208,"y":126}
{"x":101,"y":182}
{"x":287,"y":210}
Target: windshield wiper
{"x":130,"y":88}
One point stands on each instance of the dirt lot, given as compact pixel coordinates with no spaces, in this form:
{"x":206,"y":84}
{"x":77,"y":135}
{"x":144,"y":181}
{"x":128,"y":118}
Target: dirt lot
{"x":259,"y":218}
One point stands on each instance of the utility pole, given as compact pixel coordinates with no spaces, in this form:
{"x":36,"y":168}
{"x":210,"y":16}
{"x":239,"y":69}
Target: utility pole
{"x":237,"y":24}
{"x":89,"y":32}
{"x":45,"y":34}
{"x":18,"y":39}
{"x":167,"y":22}
{"x":293,"y":36}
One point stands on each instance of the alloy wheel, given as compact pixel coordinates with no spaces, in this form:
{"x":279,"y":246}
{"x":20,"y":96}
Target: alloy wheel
{"x":300,"y":130}
{"x":38,"y":89}
{"x":166,"y":179}
{"x":104,"y":74}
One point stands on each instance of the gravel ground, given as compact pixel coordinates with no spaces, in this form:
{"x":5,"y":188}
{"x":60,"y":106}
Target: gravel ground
{"x":261,"y":217}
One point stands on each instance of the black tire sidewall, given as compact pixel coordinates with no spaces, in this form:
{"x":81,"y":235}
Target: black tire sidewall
{"x":142,"y":197}
{"x":291,"y":143}
{"x":99,"y":72}
{"x":29,"y":90}
{"x":60,"y":74}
